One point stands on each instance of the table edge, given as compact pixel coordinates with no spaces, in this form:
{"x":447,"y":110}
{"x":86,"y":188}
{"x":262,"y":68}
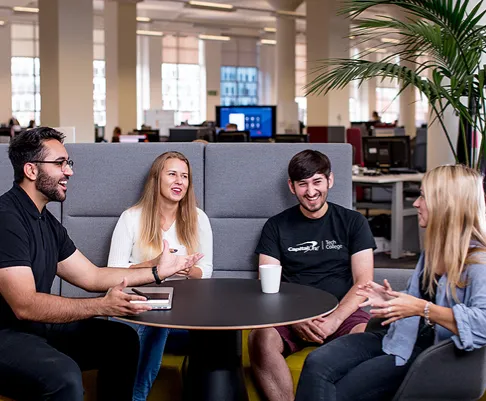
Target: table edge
{"x":240,"y":327}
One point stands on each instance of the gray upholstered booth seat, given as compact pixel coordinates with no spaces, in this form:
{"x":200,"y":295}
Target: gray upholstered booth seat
{"x":245,"y":184}
{"x":109,"y":178}
{"x":239,"y":186}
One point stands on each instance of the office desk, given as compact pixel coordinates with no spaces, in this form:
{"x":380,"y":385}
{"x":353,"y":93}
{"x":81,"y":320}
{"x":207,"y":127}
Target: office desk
{"x":398,"y":211}
{"x":215,"y":310}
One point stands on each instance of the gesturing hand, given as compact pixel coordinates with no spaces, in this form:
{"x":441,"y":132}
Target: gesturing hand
{"x":309,"y":331}
{"x":375,"y":293}
{"x":170,"y":263}
{"x":400,"y":306}
{"x":117,"y":303}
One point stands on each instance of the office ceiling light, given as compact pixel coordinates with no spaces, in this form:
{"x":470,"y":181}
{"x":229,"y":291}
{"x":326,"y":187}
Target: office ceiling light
{"x":214,"y":37}
{"x":211,"y":6}
{"x":149,"y":33}
{"x":269,"y":29}
{"x":268,"y":42}
{"x":26,"y":9}
{"x":143,"y":19}
{"x":2,"y":23}
{"x":390,"y":40}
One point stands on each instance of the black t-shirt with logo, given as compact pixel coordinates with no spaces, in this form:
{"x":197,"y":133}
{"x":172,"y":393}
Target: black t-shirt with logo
{"x":317,"y":252}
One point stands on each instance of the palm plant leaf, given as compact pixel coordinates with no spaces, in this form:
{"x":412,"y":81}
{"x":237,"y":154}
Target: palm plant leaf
{"x":446,"y":31}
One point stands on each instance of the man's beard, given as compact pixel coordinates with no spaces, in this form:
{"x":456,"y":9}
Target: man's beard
{"x":316,"y":208}
{"x":49,"y":187}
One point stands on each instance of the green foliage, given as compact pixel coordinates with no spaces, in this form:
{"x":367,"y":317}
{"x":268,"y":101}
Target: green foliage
{"x":442,"y":30}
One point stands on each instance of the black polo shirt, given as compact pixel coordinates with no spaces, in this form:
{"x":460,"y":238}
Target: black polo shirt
{"x":33,"y":239}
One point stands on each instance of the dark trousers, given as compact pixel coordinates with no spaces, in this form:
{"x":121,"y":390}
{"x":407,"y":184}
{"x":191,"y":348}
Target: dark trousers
{"x":49,"y":367}
{"x":351,"y":368}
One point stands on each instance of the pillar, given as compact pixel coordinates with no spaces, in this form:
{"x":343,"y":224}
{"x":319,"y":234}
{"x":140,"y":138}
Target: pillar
{"x":212,"y":61}
{"x":406,"y":118}
{"x":267,"y":88}
{"x":121,"y":65}
{"x":5,"y":74}
{"x":327,"y":37}
{"x":287,"y":108}
{"x":66,"y":65}
{"x":155,"y":68}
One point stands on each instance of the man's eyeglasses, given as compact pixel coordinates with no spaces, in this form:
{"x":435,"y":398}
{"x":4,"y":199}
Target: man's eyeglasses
{"x":61,"y":163}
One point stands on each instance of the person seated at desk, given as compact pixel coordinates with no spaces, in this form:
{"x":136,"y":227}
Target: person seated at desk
{"x":319,"y":244}
{"x":375,"y":117}
{"x":444,"y":299}
{"x":46,"y":340}
{"x":166,"y":211}
{"x":116,"y":135}
{"x":230,"y":127}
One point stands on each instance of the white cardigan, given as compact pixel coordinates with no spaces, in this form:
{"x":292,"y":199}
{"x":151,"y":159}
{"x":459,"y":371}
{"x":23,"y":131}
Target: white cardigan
{"x":125,"y":251}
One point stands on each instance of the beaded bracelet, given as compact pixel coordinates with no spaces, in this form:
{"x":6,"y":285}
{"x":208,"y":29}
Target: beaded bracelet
{"x":426,"y":314}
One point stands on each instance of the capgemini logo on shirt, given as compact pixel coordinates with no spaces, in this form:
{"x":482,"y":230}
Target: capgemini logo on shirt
{"x":305,"y":247}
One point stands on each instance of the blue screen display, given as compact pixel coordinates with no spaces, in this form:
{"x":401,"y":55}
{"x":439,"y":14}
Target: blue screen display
{"x":258,"y":120}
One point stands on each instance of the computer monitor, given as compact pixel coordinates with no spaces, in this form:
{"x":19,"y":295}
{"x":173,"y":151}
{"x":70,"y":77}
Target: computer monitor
{"x":183,"y":134}
{"x":260,"y":121}
{"x":152,"y":135}
{"x":291,"y":138}
{"x":233,"y":136}
{"x":385,"y":152}
{"x":132,"y":138}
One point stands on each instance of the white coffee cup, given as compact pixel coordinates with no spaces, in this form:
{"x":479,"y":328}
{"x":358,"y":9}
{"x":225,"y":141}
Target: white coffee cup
{"x":270,"y":278}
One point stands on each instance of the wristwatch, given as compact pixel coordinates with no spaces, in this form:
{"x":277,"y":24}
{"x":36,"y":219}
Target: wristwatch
{"x":156,"y":276}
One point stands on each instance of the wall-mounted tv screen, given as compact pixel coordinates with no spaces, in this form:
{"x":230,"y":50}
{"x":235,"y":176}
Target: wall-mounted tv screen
{"x":260,"y":121}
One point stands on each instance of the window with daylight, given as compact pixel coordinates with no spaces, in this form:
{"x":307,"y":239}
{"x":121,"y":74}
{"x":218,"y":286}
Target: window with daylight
{"x":25,"y":73}
{"x":181,"y":80}
{"x":99,"y":78}
{"x":99,"y":92}
{"x":26,"y":90}
{"x":301,"y":80}
{"x":387,"y":102}
{"x":239,"y":86}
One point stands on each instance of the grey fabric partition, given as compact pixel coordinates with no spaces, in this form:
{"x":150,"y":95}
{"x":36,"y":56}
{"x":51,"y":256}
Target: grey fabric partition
{"x":108,"y":178}
{"x":6,"y":182}
{"x":245,"y":184}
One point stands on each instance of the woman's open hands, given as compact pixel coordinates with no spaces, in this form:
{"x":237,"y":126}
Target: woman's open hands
{"x":388,"y":304}
{"x":374,"y":292}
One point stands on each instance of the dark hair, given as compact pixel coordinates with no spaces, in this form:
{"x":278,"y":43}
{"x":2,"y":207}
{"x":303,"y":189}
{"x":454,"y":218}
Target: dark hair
{"x":28,"y":146}
{"x":307,"y":163}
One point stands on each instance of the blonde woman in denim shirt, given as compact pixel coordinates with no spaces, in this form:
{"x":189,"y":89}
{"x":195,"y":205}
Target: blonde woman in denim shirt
{"x":445,"y":298}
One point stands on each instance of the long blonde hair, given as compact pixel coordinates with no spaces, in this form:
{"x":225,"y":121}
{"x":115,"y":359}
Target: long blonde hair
{"x":455,"y":202}
{"x":150,"y":240}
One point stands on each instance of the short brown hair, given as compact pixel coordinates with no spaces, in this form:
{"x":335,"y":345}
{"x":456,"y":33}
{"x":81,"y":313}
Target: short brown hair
{"x":307,"y":163}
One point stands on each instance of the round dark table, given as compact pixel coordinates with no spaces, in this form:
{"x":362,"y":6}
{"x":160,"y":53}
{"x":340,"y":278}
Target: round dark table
{"x":216,"y":310}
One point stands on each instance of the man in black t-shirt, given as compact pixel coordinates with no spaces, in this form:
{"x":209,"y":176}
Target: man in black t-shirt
{"x":319,"y":244}
{"x":47,"y":340}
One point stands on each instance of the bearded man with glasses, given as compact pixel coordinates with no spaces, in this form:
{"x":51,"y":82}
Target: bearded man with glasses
{"x":47,"y":340}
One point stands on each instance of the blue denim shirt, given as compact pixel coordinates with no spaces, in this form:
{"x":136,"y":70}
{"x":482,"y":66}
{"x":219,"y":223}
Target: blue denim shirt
{"x":469,"y":313}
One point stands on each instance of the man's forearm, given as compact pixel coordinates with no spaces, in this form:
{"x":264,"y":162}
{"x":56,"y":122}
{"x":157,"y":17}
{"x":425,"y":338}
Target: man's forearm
{"x":48,"y":308}
{"x":348,"y":305}
{"x":108,"y":277}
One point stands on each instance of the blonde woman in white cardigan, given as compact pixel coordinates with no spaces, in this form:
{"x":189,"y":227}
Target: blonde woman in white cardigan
{"x":166,"y":211}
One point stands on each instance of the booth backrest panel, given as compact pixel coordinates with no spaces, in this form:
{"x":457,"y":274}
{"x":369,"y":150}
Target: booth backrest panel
{"x":6,"y":181}
{"x":109,"y":178}
{"x":245,"y":184}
